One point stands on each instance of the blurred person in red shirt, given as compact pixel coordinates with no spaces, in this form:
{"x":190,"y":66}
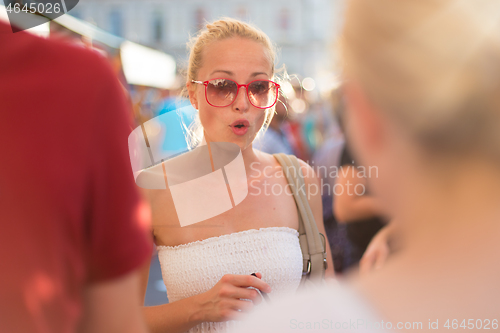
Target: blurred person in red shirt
{"x":73,"y":228}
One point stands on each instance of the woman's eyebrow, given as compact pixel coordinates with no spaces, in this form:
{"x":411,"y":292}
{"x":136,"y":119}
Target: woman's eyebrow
{"x":231,"y":73}
{"x":222,"y":71}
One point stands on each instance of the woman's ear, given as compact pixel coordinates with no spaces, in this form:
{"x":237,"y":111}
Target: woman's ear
{"x":191,"y":88}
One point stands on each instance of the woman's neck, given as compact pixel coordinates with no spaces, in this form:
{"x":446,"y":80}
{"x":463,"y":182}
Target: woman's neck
{"x":249,"y":154}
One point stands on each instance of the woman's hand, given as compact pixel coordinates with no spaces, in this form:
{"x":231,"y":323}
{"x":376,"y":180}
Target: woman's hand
{"x":227,"y":300}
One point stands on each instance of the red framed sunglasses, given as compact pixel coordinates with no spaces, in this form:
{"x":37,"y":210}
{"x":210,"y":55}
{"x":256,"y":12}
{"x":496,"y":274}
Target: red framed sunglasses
{"x":262,"y":94}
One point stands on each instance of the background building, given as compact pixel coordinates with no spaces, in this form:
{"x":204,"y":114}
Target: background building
{"x":303,"y":30}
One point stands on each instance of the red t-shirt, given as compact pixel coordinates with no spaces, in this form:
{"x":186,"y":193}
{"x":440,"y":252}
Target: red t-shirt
{"x":70,"y":214}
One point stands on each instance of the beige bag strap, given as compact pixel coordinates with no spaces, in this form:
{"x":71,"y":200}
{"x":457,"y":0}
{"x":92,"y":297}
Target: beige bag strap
{"x":312,"y":243}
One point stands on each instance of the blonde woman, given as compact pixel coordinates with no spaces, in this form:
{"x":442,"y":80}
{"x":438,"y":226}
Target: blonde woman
{"x":206,"y":266}
{"x":423,"y":89}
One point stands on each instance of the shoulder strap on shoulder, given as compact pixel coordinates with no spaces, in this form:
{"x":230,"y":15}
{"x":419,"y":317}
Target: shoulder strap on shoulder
{"x":313,"y":247}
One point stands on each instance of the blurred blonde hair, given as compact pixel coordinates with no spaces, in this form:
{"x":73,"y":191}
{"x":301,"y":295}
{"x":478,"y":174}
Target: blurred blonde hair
{"x":219,"y":30}
{"x":433,"y":65}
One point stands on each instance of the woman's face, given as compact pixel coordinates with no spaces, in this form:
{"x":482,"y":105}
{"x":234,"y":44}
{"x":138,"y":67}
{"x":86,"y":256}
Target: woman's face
{"x":241,"y":60}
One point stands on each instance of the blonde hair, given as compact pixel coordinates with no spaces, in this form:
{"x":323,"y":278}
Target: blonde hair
{"x":433,"y":65}
{"x":219,"y":30}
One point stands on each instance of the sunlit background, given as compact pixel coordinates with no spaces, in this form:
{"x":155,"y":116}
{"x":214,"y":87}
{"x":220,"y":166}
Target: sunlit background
{"x":145,"y":43}
{"x":303,"y":30}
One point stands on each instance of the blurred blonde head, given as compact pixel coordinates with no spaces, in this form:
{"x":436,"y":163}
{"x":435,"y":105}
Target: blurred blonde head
{"x":433,"y":66}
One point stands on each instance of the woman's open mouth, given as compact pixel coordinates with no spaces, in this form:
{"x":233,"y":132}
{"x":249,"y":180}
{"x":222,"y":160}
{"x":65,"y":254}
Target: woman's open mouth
{"x":240,"y":126}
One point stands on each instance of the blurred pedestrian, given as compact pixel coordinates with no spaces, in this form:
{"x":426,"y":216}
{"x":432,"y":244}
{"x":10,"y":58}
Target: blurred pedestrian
{"x":73,"y":229}
{"x":325,"y":161}
{"x":356,"y":207}
{"x":275,"y":139}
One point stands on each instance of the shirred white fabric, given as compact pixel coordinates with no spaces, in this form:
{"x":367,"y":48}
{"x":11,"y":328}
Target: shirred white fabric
{"x":194,"y":268}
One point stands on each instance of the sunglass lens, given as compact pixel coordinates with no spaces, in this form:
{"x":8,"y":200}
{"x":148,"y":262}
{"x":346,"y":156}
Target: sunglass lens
{"x":262,"y":94}
{"x":221,"y":92}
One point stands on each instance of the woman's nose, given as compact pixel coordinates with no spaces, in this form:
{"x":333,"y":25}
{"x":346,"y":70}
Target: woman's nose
{"x":241,"y":102}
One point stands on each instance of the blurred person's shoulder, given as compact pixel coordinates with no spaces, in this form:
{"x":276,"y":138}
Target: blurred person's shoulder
{"x":336,"y":307}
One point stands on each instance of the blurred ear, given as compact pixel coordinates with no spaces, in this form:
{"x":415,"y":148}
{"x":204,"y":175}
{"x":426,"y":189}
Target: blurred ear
{"x":366,"y":130}
{"x":193,"y":98}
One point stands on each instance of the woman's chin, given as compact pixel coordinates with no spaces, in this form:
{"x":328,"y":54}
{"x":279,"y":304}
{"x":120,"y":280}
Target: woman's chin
{"x":243,"y":144}
{"x":243,"y":141}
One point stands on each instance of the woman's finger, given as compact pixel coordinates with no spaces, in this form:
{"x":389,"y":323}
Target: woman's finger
{"x":246,"y":281}
{"x":242,"y":306}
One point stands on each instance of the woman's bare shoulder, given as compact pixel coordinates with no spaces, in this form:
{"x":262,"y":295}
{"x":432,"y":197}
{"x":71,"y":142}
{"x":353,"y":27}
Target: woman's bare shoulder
{"x":310,"y":176}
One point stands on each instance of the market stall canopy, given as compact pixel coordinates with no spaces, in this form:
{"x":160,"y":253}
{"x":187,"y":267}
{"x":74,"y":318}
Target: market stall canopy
{"x":147,"y":67}
{"x":89,"y":30}
{"x":142,"y":65}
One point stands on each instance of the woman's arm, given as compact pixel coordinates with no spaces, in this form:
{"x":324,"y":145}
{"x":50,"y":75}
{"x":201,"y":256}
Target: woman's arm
{"x":349,"y":206}
{"x":172,"y":317}
{"x":221,"y":303}
{"x":313,"y":190}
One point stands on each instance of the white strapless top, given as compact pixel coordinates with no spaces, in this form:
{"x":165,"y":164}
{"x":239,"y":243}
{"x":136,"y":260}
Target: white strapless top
{"x":194,"y":268}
